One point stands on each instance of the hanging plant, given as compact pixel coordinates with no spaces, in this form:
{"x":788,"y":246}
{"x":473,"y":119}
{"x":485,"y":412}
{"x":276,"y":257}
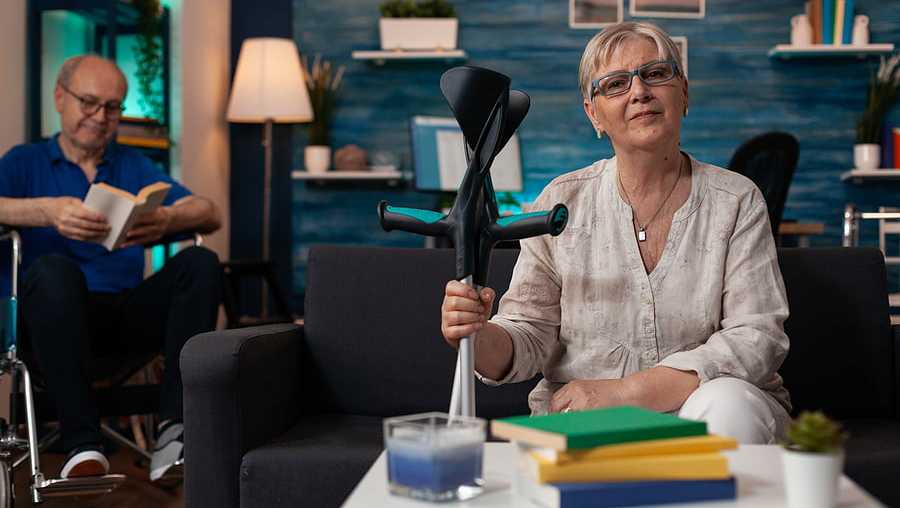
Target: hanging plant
{"x":149,"y":57}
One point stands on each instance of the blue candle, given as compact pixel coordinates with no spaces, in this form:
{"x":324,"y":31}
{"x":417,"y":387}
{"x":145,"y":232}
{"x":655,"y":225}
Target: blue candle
{"x":436,"y":469}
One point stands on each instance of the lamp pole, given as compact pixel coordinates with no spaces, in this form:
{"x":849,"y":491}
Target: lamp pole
{"x":267,"y":207}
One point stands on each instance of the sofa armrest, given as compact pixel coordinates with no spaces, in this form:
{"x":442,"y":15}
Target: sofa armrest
{"x":241,"y":389}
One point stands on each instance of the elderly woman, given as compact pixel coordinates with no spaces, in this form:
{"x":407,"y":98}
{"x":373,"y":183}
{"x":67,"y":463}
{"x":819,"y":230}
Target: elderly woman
{"x":664,"y":290}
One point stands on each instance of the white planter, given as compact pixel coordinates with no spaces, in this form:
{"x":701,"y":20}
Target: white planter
{"x":418,"y":33}
{"x":811,"y":479}
{"x":867,"y":156}
{"x":317,"y":158}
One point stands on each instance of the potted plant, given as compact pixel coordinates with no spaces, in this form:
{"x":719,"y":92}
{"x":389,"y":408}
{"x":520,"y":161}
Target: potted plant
{"x":323,"y":83}
{"x":148,"y":49}
{"x":813,"y":459}
{"x":881,"y":96}
{"x":422,"y":25}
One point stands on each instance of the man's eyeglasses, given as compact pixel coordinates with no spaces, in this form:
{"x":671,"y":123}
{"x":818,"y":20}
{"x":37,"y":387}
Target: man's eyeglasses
{"x":619,"y":82}
{"x":90,"y":105}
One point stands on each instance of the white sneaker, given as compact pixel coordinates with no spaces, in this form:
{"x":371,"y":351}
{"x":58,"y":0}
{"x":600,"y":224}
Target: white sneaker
{"x":85,"y":461}
{"x":167,"y":463}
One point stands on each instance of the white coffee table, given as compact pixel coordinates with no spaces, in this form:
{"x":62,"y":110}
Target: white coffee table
{"x":757,"y":468}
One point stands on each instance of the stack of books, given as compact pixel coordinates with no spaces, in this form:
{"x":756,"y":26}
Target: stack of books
{"x":142,"y":132}
{"x":831,"y":21}
{"x":620,"y":456}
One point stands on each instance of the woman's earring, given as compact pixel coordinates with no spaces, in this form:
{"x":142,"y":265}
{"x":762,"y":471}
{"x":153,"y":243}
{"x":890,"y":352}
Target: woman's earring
{"x":599,"y":134}
{"x":685,"y":111}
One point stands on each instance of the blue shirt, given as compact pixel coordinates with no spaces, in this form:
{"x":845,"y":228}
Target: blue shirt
{"x":41,"y":170}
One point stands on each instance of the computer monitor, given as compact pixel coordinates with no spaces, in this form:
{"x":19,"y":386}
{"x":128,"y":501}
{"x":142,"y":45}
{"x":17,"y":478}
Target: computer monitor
{"x":439,"y":157}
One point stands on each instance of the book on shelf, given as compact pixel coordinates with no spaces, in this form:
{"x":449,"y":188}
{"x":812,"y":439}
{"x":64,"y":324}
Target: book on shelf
{"x":681,"y":445}
{"x":635,"y":493}
{"x":142,"y":132}
{"x":122,"y":208}
{"x":579,"y":430}
{"x":686,"y":466}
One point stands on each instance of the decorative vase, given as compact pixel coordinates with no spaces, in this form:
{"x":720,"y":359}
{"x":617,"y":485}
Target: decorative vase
{"x":317,"y":158}
{"x":811,"y":479}
{"x":866,"y":156}
{"x":418,"y":33}
{"x":860,"y":30}
{"x":801,"y":30}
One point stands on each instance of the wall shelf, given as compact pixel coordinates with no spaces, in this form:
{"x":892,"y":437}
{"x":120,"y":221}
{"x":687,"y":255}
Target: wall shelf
{"x":869,"y":175}
{"x":380,"y":57}
{"x":387,"y":174}
{"x":787,"y":51}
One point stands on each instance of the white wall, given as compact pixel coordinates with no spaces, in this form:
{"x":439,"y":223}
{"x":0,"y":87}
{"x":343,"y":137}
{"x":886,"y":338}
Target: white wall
{"x":200,"y":44}
{"x":12,"y":77}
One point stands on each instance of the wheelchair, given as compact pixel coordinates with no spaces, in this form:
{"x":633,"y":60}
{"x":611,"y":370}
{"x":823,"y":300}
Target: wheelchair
{"x":15,"y":450}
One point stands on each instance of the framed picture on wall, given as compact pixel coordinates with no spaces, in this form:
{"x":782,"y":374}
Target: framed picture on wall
{"x":681,"y":42}
{"x":595,"y":13}
{"x":668,"y":8}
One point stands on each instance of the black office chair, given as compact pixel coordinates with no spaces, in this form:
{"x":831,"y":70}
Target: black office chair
{"x":769,"y":160}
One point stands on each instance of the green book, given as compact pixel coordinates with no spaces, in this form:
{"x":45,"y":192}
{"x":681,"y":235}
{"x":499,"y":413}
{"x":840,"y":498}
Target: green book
{"x":588,"y":429}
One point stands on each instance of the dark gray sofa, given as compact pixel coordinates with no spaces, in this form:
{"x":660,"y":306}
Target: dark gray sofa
{"x":284,"y":415}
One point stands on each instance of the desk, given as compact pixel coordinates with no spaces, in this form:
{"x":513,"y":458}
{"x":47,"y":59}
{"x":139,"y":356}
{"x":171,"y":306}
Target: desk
{"x":757,"y":468}
{"x":802,"y":230}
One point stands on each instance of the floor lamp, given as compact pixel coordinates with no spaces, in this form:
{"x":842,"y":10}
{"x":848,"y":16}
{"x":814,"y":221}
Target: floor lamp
{"x":269,"y":87}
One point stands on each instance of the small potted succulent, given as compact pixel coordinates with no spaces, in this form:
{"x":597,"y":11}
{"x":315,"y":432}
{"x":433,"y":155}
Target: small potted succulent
{"x":813,"y":459}
{"x":881,"y":95}
{"x":418,"y":25}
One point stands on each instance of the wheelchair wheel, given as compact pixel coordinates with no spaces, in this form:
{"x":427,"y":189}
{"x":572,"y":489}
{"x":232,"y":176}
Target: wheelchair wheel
{"x":6,"y":485}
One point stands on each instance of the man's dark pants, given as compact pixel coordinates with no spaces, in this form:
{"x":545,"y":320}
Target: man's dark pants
{"x":65,"y":324}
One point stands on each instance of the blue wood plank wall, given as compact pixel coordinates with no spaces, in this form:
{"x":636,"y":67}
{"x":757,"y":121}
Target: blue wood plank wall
{"x":736,"y":92}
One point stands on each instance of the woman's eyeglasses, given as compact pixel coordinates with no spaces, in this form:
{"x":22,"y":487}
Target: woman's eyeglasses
{"x":90,"y":105}
{"x":619,"y":82}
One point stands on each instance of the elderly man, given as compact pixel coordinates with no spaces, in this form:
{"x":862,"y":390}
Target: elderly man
{"x":75,"y":296}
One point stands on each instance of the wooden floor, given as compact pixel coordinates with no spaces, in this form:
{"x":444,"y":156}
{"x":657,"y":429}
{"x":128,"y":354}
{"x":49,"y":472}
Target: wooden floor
{"x":136,"y":492}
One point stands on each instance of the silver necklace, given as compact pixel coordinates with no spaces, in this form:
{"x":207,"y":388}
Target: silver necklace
{"x":642,"y":228}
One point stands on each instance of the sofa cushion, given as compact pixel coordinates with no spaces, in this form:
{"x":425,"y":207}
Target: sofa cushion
{"x":842,"y":352}
{"x":316,"y":463}
{"x":373,"y":343}
{"x":873,"y":457}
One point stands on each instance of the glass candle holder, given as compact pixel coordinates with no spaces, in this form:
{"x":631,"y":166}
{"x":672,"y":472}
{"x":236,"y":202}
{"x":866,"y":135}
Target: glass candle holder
{"x":434,"y":457}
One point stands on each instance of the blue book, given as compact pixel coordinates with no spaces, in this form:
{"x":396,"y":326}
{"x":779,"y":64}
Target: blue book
{"x":828,"y":22}
{"x":847,"y":37}
{"x":610,"y":494}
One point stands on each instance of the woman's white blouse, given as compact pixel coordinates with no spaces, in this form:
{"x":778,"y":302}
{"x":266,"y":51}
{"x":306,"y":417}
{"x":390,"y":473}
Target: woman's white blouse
{"x":581,"y":305}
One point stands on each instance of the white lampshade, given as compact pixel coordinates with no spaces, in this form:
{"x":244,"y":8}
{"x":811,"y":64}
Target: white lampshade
{"x":269,"y":83}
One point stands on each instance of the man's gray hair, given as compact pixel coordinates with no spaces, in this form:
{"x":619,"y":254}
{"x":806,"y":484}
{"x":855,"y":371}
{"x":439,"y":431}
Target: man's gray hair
{"x":70,"y":66}
{"x":602,"y":46}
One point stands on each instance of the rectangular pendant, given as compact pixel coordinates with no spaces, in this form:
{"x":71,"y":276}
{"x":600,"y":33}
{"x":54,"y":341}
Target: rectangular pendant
{"x":642,"y":235}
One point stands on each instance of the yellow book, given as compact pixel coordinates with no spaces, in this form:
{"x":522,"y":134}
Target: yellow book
{"x":839,"y":6}
{"x":692,"y":466}
{"x":680,"y":445}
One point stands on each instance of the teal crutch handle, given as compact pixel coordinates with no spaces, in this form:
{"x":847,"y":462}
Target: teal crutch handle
{"x":527,"y":225}
{"x":412,"y":220}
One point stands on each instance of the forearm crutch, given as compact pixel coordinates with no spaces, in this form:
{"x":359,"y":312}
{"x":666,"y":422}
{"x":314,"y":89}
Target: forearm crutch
{"x":488,"y":113}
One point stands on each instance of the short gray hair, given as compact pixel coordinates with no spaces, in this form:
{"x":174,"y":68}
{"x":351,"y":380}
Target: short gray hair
{"x":70,"y":66}
{"x":602,"y":46}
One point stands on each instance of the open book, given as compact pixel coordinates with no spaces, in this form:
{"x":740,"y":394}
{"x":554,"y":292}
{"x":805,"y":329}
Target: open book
{"x":122,"y":208}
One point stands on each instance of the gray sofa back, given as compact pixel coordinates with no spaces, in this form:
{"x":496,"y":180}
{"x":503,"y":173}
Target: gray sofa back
{"x":375,"y":313}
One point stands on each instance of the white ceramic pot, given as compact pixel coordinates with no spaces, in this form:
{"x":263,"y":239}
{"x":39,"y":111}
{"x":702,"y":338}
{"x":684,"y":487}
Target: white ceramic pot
{"x":317,"y":158}
{"x":418,"y":33}
{"x":867,"y":156}
{"x":811,"y":479}
{"x":860,"y":30}
{"x":801,"y":31}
